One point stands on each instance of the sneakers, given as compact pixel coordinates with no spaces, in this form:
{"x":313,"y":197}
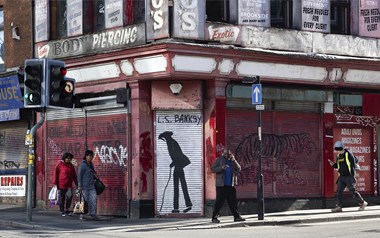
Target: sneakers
{"x":337,"y":209}
{"x":363,"y":206}
{"x":215,"y":220}
{"x":82,"y":217}
{"x":239,"y":219}
{"x":63,"y":214}
{"x":187,"y":209}
{"x":69,"y":213}
{"x":175,"y":211}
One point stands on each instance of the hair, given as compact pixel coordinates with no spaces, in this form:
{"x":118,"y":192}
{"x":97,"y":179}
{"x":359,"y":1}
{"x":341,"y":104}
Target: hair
{"x":88,"y":152}
{"x":67,"y":155}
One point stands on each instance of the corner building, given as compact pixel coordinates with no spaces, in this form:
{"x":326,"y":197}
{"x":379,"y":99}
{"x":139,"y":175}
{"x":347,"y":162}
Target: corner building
{"x":160,"y":92}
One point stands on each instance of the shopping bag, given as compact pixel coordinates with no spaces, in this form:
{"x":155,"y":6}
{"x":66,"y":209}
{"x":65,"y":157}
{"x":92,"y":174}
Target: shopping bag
{"x":81,"y":206}
{"x":99,"y":186}
{"x":53,"y":194}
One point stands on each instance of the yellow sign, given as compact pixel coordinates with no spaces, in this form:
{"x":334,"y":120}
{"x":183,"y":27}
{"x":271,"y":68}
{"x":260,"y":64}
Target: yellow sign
{"x":28,"y":139}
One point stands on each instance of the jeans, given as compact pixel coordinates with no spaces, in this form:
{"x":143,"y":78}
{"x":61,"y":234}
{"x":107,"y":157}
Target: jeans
{"x":90,"y":196}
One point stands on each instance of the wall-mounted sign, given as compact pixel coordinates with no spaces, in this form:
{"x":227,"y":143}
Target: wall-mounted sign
{"x":316,"y":15}
{"x":228,"y":34}
{"x":103,"y":41}
{"x":12,"y":186}
{"x":254,"y":12}
{"x":10,"y":115}
{"x":10,"y":94}
{"x":41,"y":19}
{"x":113,"y":13}
{"x":157,"y":19}
{"x":189,"y":19}
{"x":369,"y":18}
{"x":74,"y":17}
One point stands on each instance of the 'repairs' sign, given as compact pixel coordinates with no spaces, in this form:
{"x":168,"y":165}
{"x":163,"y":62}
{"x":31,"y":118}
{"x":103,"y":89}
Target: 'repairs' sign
{"x":107,"y":40}
{"x":12,"y":186}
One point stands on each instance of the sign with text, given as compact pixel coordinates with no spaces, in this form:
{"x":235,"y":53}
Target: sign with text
{"x":102,"y":41}
{"x":10,"y":115}
{"x":316,"y":15}
{"x":358,"y":141}
{"x":189,"y":19}
{"x":254,"y":13}
{"x":74,"y":17}
{"x":10,"y":93}
{"x":41,"y":30}
{"x":369,"y":18}
{"x":227,"y":34}
{"x":113,"y":13}
{"x":157,"y":19}
{"x":12,"y":186}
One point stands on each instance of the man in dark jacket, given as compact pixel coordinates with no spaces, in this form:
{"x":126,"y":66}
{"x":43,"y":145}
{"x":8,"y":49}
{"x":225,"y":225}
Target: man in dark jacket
{"x":345,"y":164}
{"x":226,"y":168}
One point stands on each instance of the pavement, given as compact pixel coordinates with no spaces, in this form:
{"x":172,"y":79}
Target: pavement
{"x":13,"y":216}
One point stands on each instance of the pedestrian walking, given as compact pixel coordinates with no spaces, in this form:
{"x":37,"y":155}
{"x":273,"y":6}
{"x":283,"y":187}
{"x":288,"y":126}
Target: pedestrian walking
{"x":345,"y":164}
{"x":86,"y":177}
{"x":226,"y":168}
{"x":64,"y":175}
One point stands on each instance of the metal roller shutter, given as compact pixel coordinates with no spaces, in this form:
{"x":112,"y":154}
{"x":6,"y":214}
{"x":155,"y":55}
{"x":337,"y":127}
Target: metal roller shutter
{"x":107,"y":136}
{"x":13,"y":152}
{"x":184,"y":128}
{"x":291,"y":152}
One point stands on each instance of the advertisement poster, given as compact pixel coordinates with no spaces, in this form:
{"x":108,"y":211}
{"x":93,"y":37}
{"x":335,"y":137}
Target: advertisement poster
{"x":358,"y":142}
{"x":316,"y":15}
{"x":74,"y":17}
{"x":254,"y":13}
{"x":369,"y":18}
{"x":41,"y":20}
{"x":12,"y":186}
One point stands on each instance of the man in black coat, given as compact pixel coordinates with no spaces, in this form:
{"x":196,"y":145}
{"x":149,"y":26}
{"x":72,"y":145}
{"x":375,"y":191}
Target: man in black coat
{"x":179,"y":162}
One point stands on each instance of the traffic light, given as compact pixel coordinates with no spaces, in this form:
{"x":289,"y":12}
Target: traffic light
{"x":60,"y":90}
{"x":34,"y":81}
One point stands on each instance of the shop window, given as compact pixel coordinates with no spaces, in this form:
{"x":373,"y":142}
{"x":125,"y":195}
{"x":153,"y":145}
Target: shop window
{"x":2,"y":67}
{"x":281,"y":12}
{"x":340,"y":17}
{"x":218,"y":10}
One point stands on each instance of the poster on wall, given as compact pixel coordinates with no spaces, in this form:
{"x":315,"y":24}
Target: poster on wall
{"x":316,"y":15}
{"x":12,"y":186}
{"x":358,"y":141}
{"x":369,"y":18}
{"x":254,"y":13}
{"x":41,"y":30}
{"x":179,"y":179}
{"x":113,"y":13}
{"x":74,"y":17}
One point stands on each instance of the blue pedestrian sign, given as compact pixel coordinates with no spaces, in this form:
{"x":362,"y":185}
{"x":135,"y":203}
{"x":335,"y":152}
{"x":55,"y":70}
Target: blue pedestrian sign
{"x":256,"y":94}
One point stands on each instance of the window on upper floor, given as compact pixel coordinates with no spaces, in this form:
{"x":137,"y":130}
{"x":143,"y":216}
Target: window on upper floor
{"x":77,"y":17}
{"x":340,"y":17}
{"x":281,"y":12}
{"x":2,"y":66}
{"x":218,"y":10}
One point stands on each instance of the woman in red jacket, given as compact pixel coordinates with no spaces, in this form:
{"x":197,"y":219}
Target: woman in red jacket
{"x":64,"y":176}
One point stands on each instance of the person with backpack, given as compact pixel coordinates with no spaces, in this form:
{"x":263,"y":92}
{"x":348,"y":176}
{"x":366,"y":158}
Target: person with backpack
{"x":346,"y":165}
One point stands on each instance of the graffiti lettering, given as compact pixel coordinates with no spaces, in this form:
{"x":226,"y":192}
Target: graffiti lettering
{"x":111,"y":155}
{"x":9,"y":164}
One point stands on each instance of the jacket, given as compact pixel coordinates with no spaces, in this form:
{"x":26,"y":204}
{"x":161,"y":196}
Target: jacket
{"x":64,"y":175}
{"x":345,"y":163}
{"x":86,"y":176}
{"x":220,"y":172}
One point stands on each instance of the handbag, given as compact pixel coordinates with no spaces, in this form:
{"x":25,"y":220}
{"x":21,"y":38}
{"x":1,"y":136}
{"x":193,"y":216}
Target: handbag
{"x":81,"y":206}
{"x":53,"y":194}
{"x":99,"y":186}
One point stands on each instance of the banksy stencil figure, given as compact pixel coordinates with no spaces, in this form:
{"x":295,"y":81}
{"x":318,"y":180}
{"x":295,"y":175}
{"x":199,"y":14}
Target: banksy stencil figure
{"x":179,"y":162}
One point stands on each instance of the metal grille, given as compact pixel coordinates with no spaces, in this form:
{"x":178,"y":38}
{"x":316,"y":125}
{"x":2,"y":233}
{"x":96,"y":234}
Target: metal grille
{"x":184,"y":128}
{"x":13,"y":151}
{"x":106,"y":133}
{"x":291,"y":152}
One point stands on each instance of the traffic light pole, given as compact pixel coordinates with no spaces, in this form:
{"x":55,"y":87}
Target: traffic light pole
{"x":31,"y":171}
